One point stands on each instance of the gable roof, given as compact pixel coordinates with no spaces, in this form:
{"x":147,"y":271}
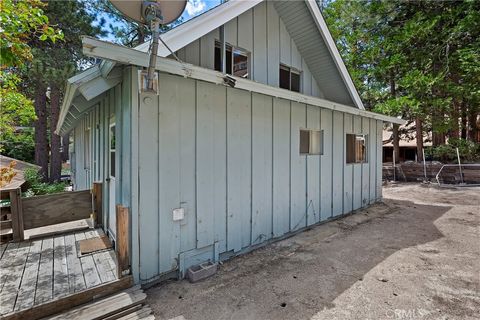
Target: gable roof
{"x":306,"y":26}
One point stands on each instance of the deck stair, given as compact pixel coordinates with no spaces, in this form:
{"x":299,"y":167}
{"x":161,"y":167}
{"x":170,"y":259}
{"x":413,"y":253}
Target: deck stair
{"x":128,"y":304}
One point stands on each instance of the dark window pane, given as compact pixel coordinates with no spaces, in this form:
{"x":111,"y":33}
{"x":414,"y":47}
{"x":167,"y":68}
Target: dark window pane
{"x":304,"y":141}
{"x":295,"y":82}
{"x":350,"y":156}
{"x":112,"y":163}
{"x":218,"y":58}
{"x":229,"y":60}
{"x":240,"y":64}
{"x":284,"y":78}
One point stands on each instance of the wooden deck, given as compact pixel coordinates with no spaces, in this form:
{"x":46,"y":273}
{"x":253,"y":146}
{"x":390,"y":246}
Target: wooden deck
{"x":39,"y":271}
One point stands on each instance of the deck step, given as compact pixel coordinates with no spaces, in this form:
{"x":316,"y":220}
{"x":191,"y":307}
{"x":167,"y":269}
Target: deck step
{"x":128,"y":304}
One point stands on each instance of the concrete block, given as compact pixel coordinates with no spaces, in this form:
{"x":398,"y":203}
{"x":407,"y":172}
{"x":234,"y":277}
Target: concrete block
{"x":201,"y":271}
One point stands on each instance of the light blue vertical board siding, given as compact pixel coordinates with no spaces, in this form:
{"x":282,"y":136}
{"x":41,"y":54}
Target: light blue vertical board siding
{"x":298,"y":169}
{"x":285,"y":45}
{"x":306,"y":79}
{"x":348,"y":168}
{"x":315,"y":89}
{"x":366,"y":166}
{"x":192,"y":53}
{"x":273,"y":44}
{"x":326,"y":165}
{"x":296,"y":57}
{"x":181,"y":53}
{"x":260,"y":53}
{"x":379,"y":145}
{"x":116,"y":101}
{"x":357,"y":169}
{"x":231,"y":32}
{"x":281,"y":166}
{"x":176,"y":132}
{"x":148,"y":179}
{"x":338,"y":163}
{"x":238,"y":169}
{"x":261,"y":168}
{"x":126,"y":142}
{"x":313,"y":170}
{"x":211,"y":165}
{"x":245,"y":30}
{"x":372,"y":152}
{"x":207,"y":49}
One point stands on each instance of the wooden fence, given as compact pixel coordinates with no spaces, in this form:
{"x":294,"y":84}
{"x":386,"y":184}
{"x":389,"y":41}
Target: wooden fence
{"x":450,"y":174}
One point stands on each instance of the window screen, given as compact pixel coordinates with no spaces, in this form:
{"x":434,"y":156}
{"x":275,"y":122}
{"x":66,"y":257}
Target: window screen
{"x":289,"y":78}
{"x":236,"y":60}
{"x":356,"y":148}
{"x":295,"y":81}
{"x":311,"y":141}
{"x":284,"y":77}
{"x":240,"y":64}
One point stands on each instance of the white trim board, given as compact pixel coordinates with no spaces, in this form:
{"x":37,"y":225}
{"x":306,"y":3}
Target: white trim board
{"x":106,"y":50}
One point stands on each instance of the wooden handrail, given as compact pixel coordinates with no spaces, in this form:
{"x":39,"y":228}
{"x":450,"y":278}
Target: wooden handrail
{"x":17,"y":214}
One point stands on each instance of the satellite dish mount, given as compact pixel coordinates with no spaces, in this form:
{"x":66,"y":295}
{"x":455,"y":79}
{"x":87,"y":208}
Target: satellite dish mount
{"x":152,"y":14}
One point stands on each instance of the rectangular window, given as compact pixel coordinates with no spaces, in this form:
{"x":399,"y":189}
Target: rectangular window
{"x":112,"y":150}
{"x":289,"y":78}
{"x":356,"y":148}
{"x":236,"y":60}
{"x":311,"y":142}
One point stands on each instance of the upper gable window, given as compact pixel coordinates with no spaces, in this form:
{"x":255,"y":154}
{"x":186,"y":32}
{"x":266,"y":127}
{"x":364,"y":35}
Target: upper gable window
{"x":237,"y":60}
{"x":289,"y":78}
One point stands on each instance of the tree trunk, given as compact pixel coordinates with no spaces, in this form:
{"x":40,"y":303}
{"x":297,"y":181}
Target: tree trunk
{"x":396,"y":142}
{"x":473,"y":126}
{"x":65,"y":145}
{"x":40,"y":125}
{"x":419,"y":137}
{"x":55,"y":143}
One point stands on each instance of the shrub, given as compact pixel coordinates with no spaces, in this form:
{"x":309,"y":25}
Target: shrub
{"x":469,"y":151}
{"x":36,"y":187}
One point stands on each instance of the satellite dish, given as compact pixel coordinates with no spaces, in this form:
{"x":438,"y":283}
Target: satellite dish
{"x":170,"y":10}
{"x":152,"y":13}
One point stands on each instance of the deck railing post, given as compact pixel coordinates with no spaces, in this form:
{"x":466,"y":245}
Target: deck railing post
{"x":17,"y":214}
{"x":97,"y":193}
{"x":122,"y":244}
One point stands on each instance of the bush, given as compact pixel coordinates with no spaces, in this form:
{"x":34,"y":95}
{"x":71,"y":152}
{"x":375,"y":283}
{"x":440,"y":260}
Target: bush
{"x":36,"y":187}
{"x":469,"y":151}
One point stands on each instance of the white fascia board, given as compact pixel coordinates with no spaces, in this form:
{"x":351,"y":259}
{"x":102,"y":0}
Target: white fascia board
{"x":105,"y":50}
{"x":332,"y":47}
{"x":196,"y":28}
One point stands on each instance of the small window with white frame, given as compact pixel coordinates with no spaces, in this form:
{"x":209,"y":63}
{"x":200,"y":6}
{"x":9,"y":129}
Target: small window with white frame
{"x":356,"y":148}
{"x":237,"y":60}
{"x":289,"y":78}
{"x":311,"y":142}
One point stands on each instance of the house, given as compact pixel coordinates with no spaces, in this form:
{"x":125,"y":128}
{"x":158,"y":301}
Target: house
{"x":214,"y":166}
{"x":407,"y":144}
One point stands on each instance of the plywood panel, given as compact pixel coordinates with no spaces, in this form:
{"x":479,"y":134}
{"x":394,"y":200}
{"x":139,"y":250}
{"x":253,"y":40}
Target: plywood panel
{"x":192,"y":53}
{"x":296,"y":57}
{"x":207,"y":49}
{"x":231,"y":32}
{"x":238,"y":169}
{"x":285,"y":45}
{"x":211,"y":165}
{"x":326,"y":165}
{"x":297,"y":169}
{"x":357,"y":169}
{"x":366,"y":166}
{"x":338,"y":162}
{"x":261,"y":168}
{"x":306,"y":79}
{"x":313,"y":171}
{"x":260,"y":54}
{"x":273,"y":44}
{"x":148,"y":185}
{"x":281,"y":165}
{"x":348,"y":169}
{"x":245,"y":30}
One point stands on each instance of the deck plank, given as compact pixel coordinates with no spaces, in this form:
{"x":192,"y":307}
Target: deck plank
{"x":88,"y":266}
{"x":76,"y":280}
{"x":3,"y":247}
{"x":13,"y":278}
{"x":26,"y":293}
{"x":104,"y":268}
{"x":8,"y":256}
{"x":44,"y":291}
{"x":60,"y":269}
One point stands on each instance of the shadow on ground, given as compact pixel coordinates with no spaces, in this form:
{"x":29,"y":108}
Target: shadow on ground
{"x":298,"y":277}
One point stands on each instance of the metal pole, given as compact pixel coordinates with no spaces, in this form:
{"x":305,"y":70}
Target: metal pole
{"x":153,"y":55}
{"x":460,"y":166}
{"x":394,"y":176}
{"x":424,"y":164}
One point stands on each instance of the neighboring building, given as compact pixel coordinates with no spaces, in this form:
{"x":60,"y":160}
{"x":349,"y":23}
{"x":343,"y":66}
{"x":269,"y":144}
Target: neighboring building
{"x":210,"y":170}
{"x":407,"y":145}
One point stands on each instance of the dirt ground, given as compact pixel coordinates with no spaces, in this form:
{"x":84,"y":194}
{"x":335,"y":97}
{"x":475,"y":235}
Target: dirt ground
{"x":414,"y":256}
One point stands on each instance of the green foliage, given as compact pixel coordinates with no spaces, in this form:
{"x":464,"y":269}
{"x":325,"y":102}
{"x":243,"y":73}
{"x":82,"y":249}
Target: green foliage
{"x":36,"y":187}
{"x":469,"y":151}
{"x":20,"y":145}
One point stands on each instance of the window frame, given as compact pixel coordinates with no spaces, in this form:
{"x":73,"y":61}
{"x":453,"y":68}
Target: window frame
{"x":310,"y":142}
{"x":232,"y":49}
{"x":291,"y":70}
{"x":355,"y":151}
